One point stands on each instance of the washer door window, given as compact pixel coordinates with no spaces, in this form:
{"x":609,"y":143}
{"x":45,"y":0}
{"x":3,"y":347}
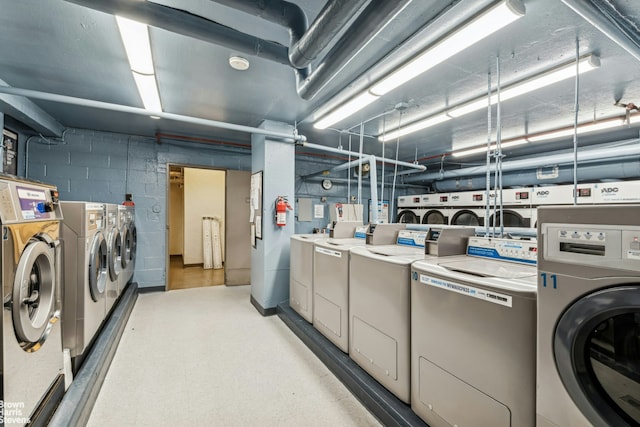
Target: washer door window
{"x":34,"y":294}
{"x":98,"y":267}
{"x":466,"y":217}
{"x":134,"y":242}
{"x":115,"y":254}
{"x":434,"y":217}
{"x":407,"y":217}
{"x":597,"y":351}
{"x":125,"y":251}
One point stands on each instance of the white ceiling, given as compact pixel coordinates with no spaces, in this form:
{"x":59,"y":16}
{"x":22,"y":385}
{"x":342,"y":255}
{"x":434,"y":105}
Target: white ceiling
{"x":63,"y":48}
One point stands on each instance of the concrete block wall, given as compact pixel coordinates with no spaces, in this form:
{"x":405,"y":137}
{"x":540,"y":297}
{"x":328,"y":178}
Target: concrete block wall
{"x":102,"y":167}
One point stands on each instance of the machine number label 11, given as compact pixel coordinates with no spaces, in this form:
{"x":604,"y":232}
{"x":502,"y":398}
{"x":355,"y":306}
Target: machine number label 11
{"x":470,"y":291}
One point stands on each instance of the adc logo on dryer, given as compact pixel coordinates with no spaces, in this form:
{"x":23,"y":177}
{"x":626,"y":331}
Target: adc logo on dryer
{"x":542,"y":193}
{"x":609,"y":190}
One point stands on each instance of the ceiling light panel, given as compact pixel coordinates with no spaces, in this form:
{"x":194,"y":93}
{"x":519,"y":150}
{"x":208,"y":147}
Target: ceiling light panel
{"x":148,"y":89}
{"x":415,"y":127}
{"x":487,"y":23}
{"x":483,"y":149}
{"x":135,"y":37}
{"x":345,"y":110}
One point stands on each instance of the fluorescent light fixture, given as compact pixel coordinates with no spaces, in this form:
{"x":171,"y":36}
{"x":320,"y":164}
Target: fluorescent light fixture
{"x":346,"y":109}
{"x":483,"y":149}
{"x":135,"y":37}
{"x":548,"y":78}
{"x":583,"y":128}
{"x":148,"y":90}
{"x":490,"y":21}
{"x":422,"y":124}
{"x":558,"y":74}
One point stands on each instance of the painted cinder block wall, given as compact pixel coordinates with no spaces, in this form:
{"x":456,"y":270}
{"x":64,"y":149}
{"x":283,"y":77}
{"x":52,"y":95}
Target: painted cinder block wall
{"x":101,"y":166}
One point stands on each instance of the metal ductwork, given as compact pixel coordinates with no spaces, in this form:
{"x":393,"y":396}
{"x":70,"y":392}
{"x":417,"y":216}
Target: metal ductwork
{"x":607,"y":19}
{"x":188,"y":24}
{"x":592,"y":172}
{"x":599,"y":153}
{"x":307,"y":42}
{"x":366,"y":26}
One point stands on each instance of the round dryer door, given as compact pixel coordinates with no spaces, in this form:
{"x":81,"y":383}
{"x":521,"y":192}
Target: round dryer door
{"x":98,"y":267}
{"x":115,"y":254}
{"x":466,"y":217}
{"x":511,"y":219}
{"x":34,"y":295}
{"x":434,"y":217}
{"x":407,"y":217}
{"x":597,"y":352}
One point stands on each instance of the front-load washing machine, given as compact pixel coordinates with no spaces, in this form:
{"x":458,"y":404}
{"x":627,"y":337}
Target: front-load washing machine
{"x":125,"y":251}
{"x":588,"y":370}
{"x":473,"y":336}
{"x":435,"y":208}
{"x":131,"y":245}
{"x":85,"y":273}
{"x":32,"y":362}
{"x":301,"y":273}
{"x":114,"y":254}
{"x":331,"y":282}
{"x":409,"y":211}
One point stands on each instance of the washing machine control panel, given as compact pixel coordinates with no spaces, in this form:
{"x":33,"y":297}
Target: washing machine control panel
{"x":22,"y":201}
{"x":610,"y":246}
{"x":520,"y":251}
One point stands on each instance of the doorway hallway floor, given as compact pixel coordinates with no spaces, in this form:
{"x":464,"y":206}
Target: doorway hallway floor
{"x":181,"y":277}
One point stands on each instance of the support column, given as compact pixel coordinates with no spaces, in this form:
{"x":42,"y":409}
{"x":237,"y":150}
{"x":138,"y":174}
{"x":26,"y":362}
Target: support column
{"x":2,"y":145}
{"x":270,"y":257}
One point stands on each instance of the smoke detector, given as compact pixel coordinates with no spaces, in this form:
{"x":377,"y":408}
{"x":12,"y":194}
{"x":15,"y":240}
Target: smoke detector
{"x":238,"y":63}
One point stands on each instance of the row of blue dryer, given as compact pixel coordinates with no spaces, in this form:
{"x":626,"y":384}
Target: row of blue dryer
{"x":64,"y":265}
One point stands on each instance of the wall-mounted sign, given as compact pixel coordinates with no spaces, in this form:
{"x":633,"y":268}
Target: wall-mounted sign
{"x":10,"y":152}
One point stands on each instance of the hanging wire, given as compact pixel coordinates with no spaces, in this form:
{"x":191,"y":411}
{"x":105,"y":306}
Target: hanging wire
{"x":392,"y":202}
{"x":384,"y":121}
{"x":360,"y":163}
{"x":487,"y":208}
{"x":349,"y":174}
{"x":575,"y":126}
{"x":499,"y":144}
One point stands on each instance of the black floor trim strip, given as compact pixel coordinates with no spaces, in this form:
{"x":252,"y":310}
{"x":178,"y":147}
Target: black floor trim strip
{"x":76,"y":405}
{"x":383,"y":404}
{"x":264,"y":311}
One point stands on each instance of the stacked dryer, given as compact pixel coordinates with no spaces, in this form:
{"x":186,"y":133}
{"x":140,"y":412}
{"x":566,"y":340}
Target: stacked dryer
{"x":85,"y":272}
{"x":517,"y":208}
{"x":409,"y":211}
{"x":468,"y":208}
{"x":557,"y":195}
{"x":435,"y":208}
{"x":31,"y":360}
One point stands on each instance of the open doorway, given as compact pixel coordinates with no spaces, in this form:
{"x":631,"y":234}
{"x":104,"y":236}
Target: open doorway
{"x":195,"y":193}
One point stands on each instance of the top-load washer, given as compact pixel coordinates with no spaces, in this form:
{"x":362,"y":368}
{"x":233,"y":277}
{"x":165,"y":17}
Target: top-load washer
{"x":473,"y":336}
{"x":379,"y":306}
{"x":32,"y":362}
{"x":409,"y":210}
{"x":435,"y":208}
{"x":114,"y":254}
{"x":301,"y":264}
{"x":588,"y":370}
{"x":85,"y":273}
{"x":331,"y":281}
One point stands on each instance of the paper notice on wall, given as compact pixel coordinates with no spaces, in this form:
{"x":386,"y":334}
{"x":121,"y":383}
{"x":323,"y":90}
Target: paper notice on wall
{"x":318,"y":211}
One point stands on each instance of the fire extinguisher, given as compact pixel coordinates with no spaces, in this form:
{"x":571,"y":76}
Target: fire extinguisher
{"x":282,"y":205}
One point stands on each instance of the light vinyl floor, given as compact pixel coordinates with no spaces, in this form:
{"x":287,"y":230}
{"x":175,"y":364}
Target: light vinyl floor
{"x":206,"y":357}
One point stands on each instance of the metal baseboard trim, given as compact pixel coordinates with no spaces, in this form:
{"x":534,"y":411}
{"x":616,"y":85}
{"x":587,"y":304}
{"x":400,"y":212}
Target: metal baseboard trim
{"x":264,"y":311}
{"x":77,"y":403}
{"x":383,"y":404}
{"x":149,"y":289}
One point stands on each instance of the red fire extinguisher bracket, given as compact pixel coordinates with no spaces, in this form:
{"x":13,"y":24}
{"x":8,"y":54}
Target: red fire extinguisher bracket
{"x":282,"y":206}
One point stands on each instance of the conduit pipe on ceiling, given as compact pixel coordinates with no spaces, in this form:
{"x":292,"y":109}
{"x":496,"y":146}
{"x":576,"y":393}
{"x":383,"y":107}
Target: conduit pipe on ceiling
{"x":603,"y":16}
{"x":612,"y":170}
{"x":188,"y":24}
{"x":597,"y":153}
{"x":64,"y":99}
{"x":345,"y":181}
{"x":366,"y":26}
{"x":357,"y":154}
